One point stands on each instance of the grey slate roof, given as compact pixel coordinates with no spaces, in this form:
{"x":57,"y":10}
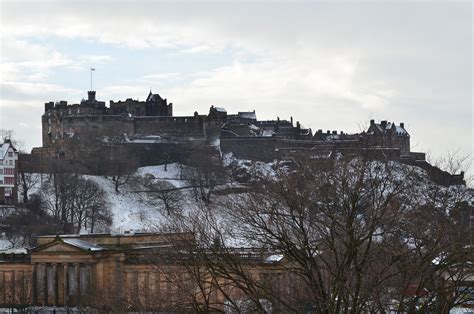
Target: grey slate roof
{"x":83,"y":244}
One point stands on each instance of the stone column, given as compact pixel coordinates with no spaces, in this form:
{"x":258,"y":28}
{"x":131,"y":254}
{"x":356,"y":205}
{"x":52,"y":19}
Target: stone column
{"x":34,"y":286}
{"x":66,"y":283}
{"x":13,"y":285}
{"x":90,"y":288}
{"x":55,"y":284}
{"x":77,"y":276}
{"x":44,"y":283}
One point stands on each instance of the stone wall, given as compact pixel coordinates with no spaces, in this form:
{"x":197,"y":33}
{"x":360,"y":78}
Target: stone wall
{"x":174,"y":127}
{"x":253,"y":148}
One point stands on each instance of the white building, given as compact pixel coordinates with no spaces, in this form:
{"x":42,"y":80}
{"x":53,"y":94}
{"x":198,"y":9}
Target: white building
{"x":8,"y":166}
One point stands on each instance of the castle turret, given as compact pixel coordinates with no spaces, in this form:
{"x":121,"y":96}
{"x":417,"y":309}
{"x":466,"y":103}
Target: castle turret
{"x":48,"y":106}
{"x":91,"y":95}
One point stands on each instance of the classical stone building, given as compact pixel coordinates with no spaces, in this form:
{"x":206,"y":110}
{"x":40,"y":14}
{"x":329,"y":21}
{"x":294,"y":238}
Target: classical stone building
{"x":113,"y":272}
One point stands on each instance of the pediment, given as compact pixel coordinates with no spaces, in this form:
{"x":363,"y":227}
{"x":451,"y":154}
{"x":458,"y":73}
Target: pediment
{"x":58,"y":247}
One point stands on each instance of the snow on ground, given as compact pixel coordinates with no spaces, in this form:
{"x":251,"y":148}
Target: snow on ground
{"x":135,"y":210}
{"x":257,"y":168}
{"x":139,"y":211}
{"x":4,"y":244}
{"x":172,"y":174}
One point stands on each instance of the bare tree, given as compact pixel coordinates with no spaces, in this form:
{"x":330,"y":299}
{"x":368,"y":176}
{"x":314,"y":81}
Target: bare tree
{"x":23,"y":225}
{"x":76,"y":202}
{"x":27,"y":181}
{"x":357,"y":235}
{"x":167,"y":194}
{"x":7,"y":134}
{"x":204,"y":173}
{"x":89,"y":208}
{"x":121,"y":166}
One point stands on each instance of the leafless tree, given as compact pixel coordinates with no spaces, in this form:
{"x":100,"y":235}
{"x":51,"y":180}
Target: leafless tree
{"x":357,"y":235}
{"x":7,"y":134}
{"x":27,"y":222}
{"x":204,"y":173}
{"x":166,"y":193}
{"x":27,"y":180}
{"x":454,"y":162}
{"x":90,"y":208}
{"x":76,"y":202}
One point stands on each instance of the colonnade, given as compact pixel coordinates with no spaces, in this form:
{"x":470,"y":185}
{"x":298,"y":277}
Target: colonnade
{"x":62,"y":283}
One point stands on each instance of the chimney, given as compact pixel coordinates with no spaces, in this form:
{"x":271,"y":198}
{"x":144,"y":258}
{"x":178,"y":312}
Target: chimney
{"x":402,"y":125}
{"x":383,"y":123}
{"x":91,"y":95}
{"x":291,"y":120}
{"x":372,"y":122}
{"x":298,"y":124}
{"x":342,"y":132}
{"x":334,"y":132}
{"x":320,"y":131}
{"x":328,"y":132}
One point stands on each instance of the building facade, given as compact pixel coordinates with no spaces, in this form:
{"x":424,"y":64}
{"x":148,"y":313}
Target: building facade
{"x":134,"y":272}
{"x":8,"y":173}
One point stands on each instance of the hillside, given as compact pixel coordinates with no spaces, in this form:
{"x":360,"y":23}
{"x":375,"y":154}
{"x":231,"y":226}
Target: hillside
{"x":136,"y":208}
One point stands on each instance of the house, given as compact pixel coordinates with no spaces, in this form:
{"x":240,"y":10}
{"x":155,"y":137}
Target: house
{"x":8,"y":170}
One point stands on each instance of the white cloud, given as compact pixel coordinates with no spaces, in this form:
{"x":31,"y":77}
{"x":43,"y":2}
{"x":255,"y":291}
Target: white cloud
{"x":96,"y":59}
{"x":331,"y":65}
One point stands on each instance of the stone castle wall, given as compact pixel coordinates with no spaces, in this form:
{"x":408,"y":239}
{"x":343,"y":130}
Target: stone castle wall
{"x":176,"y":127}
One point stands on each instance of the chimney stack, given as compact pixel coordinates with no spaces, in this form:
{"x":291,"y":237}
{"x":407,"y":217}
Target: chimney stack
{"x":383,"y":123}
{"x":372,"y":122}
{"x":402,"y":125}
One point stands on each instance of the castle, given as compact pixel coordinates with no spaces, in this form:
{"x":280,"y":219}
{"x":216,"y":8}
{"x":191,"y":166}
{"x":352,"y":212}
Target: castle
{"x":153,"y":119}
{"x":151,"y":129}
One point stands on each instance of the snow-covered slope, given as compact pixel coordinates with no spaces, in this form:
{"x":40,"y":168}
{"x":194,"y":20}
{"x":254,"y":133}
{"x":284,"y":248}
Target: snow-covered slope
{"x":135,"y":210}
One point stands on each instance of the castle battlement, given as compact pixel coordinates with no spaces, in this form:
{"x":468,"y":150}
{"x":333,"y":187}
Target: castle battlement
{"x":240,"y":133}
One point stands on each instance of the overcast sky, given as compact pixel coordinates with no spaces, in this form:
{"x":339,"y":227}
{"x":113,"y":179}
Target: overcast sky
{"x":329,"y":65}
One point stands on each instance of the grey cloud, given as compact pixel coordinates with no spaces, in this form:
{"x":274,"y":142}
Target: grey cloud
{"x":331,"y":64}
